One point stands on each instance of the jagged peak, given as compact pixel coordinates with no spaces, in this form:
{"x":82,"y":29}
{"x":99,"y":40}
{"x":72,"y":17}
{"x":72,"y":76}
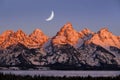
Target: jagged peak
{"x":19,"y":32}
{"x":85,"y":32}
{"x":38,"y":37}
{"x":65,"y":29}
{"x":66,"y":35}
{"x":67,"y":26}
{"x":103,"y":30}
{"x":37,"y":31}
{"x":7,"y":32}
{"x":105,"y":38}
{"x":104,"y":33}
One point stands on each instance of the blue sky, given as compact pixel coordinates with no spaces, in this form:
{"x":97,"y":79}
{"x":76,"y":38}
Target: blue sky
{"x":31,"y":14}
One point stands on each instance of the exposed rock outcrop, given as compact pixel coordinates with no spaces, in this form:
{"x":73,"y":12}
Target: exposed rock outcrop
{"x":105,"y":39}
{"x":68,"y":49}
{"x":66,"y":35}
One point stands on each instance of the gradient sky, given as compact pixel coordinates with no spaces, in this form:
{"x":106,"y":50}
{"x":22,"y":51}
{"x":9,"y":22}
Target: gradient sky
{"x":31,"y":14}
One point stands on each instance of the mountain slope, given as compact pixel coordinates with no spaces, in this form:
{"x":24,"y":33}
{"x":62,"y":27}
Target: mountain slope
{"x":35,"y":39}
{"x":66,"y":35}
{"x":38,"y":37}
{"x":105,"y":39}
{"x":68,"y":49}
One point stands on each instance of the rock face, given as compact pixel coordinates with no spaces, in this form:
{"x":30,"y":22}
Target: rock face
{"x":4,"y":37}
{"x":105,"y":38}
{"x":38,"y":37}
{"x":68,"y":49}
{"x":85,"y":32}
{"x":66,"y":35}
{"x":20,"y":56}
{"x":9,"y":38}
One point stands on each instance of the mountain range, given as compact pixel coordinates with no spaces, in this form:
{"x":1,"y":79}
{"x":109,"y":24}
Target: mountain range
{"x":67,"y":50}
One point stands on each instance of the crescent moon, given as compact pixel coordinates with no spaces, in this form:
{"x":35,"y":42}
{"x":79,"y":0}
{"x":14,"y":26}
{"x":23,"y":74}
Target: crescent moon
{"x":51,"y":16}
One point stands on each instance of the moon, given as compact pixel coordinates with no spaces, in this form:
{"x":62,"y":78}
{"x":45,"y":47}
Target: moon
{"x":51,"y":16}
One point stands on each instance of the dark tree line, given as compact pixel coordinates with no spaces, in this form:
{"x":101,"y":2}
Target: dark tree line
{"x":19,"y":77}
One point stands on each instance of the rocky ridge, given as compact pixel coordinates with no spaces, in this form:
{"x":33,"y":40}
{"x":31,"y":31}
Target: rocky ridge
{"x":9,"y":38}
{"x":105,"y":38}
{"x":68,"y":49}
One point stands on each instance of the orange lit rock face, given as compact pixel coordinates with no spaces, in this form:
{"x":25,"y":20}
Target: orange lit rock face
{"x":85,"y":32}
{"x":5,"y":38}
{"x":21,"y":37}
{"x":38,"y":37}
{"x":9,"y":38}
{"x":5,"y":35}
{"x":105,"y":38}
{"x":66,"y":35}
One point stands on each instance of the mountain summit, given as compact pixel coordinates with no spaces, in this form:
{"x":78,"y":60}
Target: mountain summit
{"x":105,"y":38}
{"x":38,"y":37}
{"x":35,"y":39}
{"x":68,"y":49}
{"x":66,"y":35}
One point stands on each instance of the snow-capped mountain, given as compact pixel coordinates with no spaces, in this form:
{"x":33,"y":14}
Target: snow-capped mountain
{"x":68,"y":49}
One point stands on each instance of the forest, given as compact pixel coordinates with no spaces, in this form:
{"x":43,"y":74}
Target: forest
{"x":27,"y":77}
